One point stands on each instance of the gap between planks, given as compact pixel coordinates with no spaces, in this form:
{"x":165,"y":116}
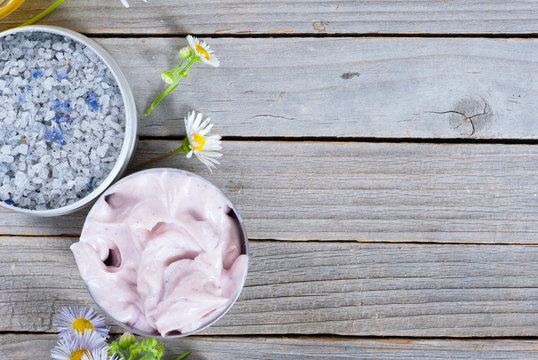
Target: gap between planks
{"x":316,"y":36}
{"x":269,"y":241}
{"x":314,"y":337}
{"x":375,"y":140}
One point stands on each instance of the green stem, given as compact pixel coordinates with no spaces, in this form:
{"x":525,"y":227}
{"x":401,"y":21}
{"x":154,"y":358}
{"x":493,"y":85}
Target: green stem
{"x":183,"y":148}
{"x":181,"y":357}
{"x":174,"y":85}
{"x":44,"y":13}
{"x":179,"y":66}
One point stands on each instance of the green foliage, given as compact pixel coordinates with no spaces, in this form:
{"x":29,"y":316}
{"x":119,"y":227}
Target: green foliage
{"x":128,"y":348}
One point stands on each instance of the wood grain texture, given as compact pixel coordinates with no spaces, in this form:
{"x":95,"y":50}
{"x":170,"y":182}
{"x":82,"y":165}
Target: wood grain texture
{"x":318,"y":288}
{"x":341,"y":87}
{"x":288,"y":17}
{"x":18,"y":347}
{"x":360,"y":191}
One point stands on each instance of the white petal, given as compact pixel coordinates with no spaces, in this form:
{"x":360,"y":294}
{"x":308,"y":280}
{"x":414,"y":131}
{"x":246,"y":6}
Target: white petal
{"x":197,"y":121}
{"x":193,"y":41}
{"x":208,"y":128}
{"x":213,"y":61}
{"x":213,"y":154}
{"x":204,"y":123}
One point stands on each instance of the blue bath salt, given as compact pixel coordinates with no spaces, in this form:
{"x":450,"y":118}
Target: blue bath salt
{"x":50,"y":134}
{"x":9,"y":202}
{"x":62,"y":75}
{"x":93,"y":103}
{"x":54,"y":131}
{"x":65,"y":119}
{"x":59,"y":135}
{"x":38,"y":73}
{"x":62,"y":119}
{"x":22,"y":96}
{"x":59,"y":105}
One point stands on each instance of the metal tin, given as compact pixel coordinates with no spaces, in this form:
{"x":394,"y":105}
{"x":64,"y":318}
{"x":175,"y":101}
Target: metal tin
{"x":244,"y":251}
{"x":131,"y":121}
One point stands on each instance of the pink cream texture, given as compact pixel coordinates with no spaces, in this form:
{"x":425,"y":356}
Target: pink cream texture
{"x":159,"y":253}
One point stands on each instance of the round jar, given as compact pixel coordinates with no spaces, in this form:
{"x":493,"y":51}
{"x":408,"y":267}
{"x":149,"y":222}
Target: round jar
{"x":125,"y":149}
{"x":163,"y":252}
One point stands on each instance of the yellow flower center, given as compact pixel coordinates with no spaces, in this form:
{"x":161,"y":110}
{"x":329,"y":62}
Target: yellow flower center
{"x":81,"y":325}
{"x":201,"y":50}
{"x":200,"y":140}
{"x":78,"y":354}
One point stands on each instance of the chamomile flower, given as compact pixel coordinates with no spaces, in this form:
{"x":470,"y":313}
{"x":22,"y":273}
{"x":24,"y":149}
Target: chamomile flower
{"x":77,"y":346}
{"x":205,"y":147}
{"x":80,"y":320}
{"x":203,"y":51}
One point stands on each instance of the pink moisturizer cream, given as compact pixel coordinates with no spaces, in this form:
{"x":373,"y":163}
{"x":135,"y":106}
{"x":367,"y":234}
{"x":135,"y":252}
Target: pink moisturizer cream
{"x":163,"y":251}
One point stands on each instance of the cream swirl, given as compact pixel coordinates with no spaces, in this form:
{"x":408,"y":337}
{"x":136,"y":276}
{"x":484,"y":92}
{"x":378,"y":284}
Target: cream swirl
{"x":160,"y":252}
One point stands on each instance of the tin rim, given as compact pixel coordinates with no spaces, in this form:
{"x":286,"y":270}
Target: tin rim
{"x":131,"y":121}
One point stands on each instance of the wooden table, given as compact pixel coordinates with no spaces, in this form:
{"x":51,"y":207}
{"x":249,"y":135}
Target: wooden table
{"x":382,"y":153}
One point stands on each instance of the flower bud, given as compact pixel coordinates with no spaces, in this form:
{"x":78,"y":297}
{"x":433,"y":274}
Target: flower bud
{"x":168,"y":77}
{"x":126,"y":340}
{"x":186,"y":52}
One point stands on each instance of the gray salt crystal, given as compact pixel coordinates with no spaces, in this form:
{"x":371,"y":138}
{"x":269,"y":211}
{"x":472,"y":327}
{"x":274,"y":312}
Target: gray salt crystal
{"x":55,"y":175}
{"x":6,"y":158}
{"x":101,"y":150}
{"x":21,"y":149}
{"x":5,"y":149}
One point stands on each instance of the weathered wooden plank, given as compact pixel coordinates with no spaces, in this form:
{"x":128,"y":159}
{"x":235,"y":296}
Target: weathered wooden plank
{"x":232,"y":348}
{"x":396,"y":87}
{"x":277,"y":17}
{"x":360,"y":191}
{"x":342,"y":87}
{"x":318,"y":288}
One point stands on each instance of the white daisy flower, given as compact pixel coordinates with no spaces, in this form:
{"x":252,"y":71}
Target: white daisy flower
{"x":205,"y":147}
{"x":101,"y":354}
{"x":79,"y":345}
{"x":80,"y":320}
{"x":203,"y":51}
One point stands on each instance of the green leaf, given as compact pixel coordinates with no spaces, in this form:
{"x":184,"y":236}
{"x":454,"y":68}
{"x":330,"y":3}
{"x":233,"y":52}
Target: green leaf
{"x":115,"y":350}
{"x":185,"y":145}
{"x":153,"y":346}
{"x":181,"y":357}
{"x":148,"y":344}
{"x":149,"y":356}
{"x":134,"y":351}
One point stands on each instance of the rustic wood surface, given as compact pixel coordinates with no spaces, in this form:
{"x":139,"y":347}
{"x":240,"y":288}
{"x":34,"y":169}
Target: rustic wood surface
{"x":288,"y":17}
{"x":318,"y":288}
{"x":345,"y":87}
{"x":354,"y":191}
{"x":382,"y":153}
{"x":284,"y":348}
